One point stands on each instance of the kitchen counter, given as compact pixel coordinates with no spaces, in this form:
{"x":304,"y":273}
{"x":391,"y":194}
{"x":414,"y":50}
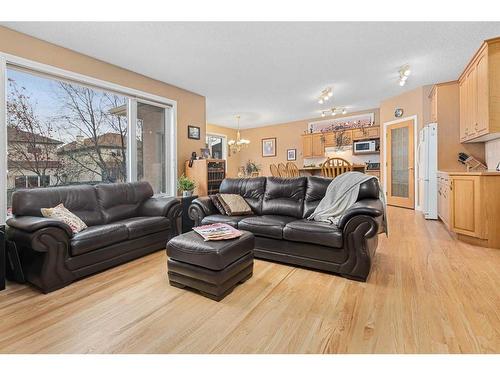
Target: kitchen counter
{"x":490,"y":172}
{"x":355,"y":167}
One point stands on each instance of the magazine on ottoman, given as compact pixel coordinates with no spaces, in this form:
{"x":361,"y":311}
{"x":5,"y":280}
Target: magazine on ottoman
{"x":217,"y":232}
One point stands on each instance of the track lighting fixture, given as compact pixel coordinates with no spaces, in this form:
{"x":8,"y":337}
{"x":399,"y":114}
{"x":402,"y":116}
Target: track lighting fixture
{"x":333,"y":111}
{"x":404,"y":73}
{"x":325,"y":95}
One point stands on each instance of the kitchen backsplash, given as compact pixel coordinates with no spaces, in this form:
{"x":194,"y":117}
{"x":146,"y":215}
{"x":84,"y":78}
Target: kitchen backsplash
{"x":345,"y":153}
{"x":492,"y":151}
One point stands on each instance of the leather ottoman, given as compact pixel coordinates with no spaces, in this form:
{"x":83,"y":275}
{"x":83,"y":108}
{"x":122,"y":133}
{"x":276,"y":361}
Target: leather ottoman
{"x":213,"y":268}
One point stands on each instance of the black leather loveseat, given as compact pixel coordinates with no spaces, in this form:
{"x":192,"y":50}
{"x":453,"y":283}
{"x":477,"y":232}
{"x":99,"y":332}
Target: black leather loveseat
{"x":124,"y":222}
{"x":282,"y":232}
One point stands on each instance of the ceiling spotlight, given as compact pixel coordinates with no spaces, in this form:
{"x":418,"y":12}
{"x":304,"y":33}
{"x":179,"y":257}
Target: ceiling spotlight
{"x":323,"y":114}
{"x":404,"y":73}
{"x":344,"y":111}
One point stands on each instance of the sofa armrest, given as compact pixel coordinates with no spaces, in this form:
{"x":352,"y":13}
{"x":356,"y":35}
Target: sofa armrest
{"x":369,"y":207}
{"x":32,"y":224}
{"x":201,"y":207}
{"x":164,"y":206}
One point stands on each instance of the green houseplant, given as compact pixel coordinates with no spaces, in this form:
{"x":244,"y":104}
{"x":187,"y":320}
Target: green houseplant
{"x":186,"y":185}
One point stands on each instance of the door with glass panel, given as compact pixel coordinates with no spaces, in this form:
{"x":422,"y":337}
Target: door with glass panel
{"x":151,"y":146}
{"x":400,"y":165}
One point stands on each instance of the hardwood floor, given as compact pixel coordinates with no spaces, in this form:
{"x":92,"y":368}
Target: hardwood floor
{"x":427,"y":293}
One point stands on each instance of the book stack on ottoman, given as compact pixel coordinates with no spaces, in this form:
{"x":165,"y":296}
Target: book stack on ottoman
{"x":213,"y":268}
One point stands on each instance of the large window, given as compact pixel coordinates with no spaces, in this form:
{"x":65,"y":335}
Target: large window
{"x":151,"y":145}
{"x":60,"y":132}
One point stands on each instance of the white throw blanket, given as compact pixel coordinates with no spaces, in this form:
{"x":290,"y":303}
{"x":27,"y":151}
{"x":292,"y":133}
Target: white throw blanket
{"x":341,"y":194}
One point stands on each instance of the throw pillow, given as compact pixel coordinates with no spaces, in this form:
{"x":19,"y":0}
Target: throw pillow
{"x":61,"y":213}
{"x":216,"y":201}
{"x":234,"y":204}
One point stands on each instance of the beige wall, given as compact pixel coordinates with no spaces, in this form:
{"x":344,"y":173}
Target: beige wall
{"x":288,"y":135}
{"x":190,"y":106}
{"x":448,"y":120}
{"x":233,"y":160}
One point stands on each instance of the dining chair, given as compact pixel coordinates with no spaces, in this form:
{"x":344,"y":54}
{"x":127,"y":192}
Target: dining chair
{"x":333,"y":167}
{"x":282,"y":170}
{"x":274,"y":170}
{"x":292,"y":169}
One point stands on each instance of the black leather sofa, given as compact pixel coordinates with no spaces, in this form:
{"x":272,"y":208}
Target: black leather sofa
{"x":282,"y":232}
{"x":124,"y":222}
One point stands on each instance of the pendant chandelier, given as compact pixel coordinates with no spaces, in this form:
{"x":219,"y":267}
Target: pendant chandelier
{"x":240,"y":143}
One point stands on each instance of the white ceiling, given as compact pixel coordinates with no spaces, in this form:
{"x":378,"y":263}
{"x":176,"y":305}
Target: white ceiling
{"x":273,"y":72}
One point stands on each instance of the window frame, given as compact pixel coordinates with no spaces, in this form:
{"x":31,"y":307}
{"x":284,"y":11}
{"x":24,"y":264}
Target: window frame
{"x":225,"y":152}
{"x":133,"y":95}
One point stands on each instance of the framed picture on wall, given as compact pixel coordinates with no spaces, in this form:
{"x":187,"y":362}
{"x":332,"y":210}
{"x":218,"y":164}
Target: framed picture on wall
{"x":291,"y":154}
{"x":193,"y":132}
{"x":268,"y":147}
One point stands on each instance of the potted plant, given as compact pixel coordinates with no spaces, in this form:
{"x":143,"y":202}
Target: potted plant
{"x":186,"y":185}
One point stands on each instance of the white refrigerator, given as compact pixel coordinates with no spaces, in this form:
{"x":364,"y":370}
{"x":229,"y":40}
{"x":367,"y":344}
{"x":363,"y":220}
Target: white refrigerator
{"x":427,"y":170}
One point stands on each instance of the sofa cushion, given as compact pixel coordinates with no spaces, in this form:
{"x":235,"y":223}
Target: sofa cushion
{"x":231,"y":220}
{"x":79,"y":199}
{"x":217,"y":203}
{"x":251,"y":189}
{"x":144,"y":225}
{"x":314,"y":232}
{"x":234,"y":204}
{"x":284,"y":196}
{"x":266,"y":226}
{"x":60,"y":212}
{"x":315,"y":191}
{"x":96,"y":237}
{"x":121,"y":201}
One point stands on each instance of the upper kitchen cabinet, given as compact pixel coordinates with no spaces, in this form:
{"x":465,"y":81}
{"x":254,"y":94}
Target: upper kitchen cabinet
{"x":369,"y":132}
{"x":313,"y":145}
{"x":479,"y":95}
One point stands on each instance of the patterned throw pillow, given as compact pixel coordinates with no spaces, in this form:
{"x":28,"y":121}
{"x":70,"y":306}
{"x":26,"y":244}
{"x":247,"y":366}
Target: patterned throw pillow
{"x":234,"y":204}
{"x":61,"y":213}
{"x":216,"y":201}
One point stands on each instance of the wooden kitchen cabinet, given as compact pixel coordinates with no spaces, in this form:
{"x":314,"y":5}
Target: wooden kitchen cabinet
{"x":318,"y":148}
{"x":444,"y":198}
{"x":370,"y":132}
{"x":466,"y":205}
{"x":330,"y":140}
{"x":479,"y":89}
{"x":474,"y":206}
{"x":312,"y":145}
{"x":307,"y":145}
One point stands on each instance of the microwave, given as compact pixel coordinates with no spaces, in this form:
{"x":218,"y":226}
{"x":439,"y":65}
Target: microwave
{"x":365,"y":147}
